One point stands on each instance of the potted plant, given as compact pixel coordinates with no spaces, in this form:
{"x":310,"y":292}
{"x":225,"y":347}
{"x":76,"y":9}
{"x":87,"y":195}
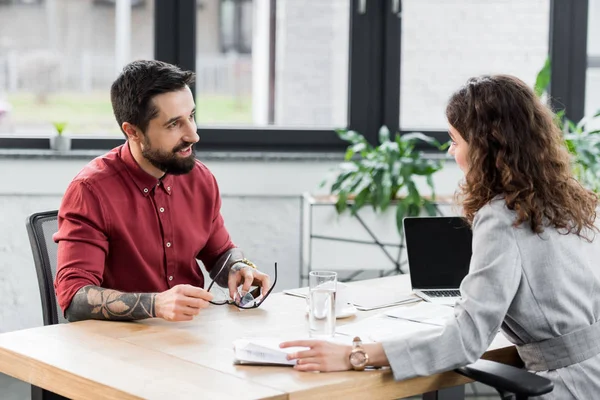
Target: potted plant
{"x":583,"y":143}
{"x":60,"y":142}
{"x":582,"y":139}
{"x":380,"y":175}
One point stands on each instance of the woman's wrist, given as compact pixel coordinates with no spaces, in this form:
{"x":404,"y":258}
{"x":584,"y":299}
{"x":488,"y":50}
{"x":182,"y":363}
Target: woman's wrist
{"x":377,"y":356}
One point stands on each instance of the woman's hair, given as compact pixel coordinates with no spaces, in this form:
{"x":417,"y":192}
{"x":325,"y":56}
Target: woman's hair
{"x":516,"y":150}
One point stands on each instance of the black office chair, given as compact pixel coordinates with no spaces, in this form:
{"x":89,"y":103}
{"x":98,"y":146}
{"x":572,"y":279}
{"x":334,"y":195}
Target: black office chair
{"x":512,"y":383}
{"x":40,"y":228}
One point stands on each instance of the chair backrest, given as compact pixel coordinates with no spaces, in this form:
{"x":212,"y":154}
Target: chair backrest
{"x":40,"y":228}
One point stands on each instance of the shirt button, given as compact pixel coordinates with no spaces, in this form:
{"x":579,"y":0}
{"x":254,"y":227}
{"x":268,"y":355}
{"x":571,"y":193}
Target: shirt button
{"x":171,"y":277}
{"x":145,"y":190}
{"x":168,"y":244}
{"x":169,"y":188}
{"x":162,"y":209}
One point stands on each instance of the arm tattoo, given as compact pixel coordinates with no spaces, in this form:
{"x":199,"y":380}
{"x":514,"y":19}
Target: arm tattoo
{"x":93,"y":302}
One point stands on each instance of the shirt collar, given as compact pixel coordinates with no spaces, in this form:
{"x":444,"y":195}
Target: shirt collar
{"x":143,"y":180}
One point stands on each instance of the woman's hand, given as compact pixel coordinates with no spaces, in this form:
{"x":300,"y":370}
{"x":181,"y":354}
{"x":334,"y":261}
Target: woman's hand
{"x":321,"y":356}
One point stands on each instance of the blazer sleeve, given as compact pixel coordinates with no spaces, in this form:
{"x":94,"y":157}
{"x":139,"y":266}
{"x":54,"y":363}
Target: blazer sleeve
{"x":487,"y":292}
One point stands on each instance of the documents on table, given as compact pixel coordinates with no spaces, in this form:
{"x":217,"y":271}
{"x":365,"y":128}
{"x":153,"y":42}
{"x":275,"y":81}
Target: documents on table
{"x":366,"y":298}
{"x":266,"y":350}
{"x":381,"y":327}
{"x":424,"y":312}
{"x":262,"y":351}
{"x":400,"y":321}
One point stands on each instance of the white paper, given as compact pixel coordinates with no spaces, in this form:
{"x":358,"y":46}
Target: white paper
{"x":423,"y":312}
{"x":365,"y":298}
{"x":266,"y":350}
{"x":381,"y":327}
{"x":262,"y":351}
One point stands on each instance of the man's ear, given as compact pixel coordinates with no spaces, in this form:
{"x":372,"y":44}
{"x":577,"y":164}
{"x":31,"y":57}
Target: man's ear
{"x":133,"y":133}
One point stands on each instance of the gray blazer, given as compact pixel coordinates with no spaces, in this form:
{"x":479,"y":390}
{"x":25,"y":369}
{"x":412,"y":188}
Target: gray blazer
{"x":543,"y":291}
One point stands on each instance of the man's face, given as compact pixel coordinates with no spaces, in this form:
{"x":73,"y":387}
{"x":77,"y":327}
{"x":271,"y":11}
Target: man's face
{"x":170,"y":136}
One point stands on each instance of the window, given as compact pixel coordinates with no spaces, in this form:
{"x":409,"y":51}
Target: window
{"x":592,"y":92}
{"x":282,"y":74}
{"x":269,"y":69}
{"x":235,"y":24}
{"x":446,"y":42}
{"x":58,"y":66}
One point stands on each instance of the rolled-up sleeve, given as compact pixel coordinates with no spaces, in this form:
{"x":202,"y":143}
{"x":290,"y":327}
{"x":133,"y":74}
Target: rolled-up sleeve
{"x":487,"y":292}
{"x":219,"y":240}
{"x":82,"y":242}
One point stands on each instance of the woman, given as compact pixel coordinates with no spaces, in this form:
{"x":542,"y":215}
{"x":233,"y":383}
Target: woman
{"x":535,"y":266}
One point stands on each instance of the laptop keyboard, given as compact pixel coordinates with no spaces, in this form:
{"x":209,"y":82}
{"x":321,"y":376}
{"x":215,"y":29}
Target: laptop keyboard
{"x":443,"y":293}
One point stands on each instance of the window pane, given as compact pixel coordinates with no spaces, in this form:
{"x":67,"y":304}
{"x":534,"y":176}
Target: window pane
{"x":592,"y":93}
{"x":444,"y":42}
{"x":305,"y":86}
{"x":59,"y":65}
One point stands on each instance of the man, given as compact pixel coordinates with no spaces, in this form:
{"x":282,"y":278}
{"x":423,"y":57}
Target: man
{"x":133,"y":222}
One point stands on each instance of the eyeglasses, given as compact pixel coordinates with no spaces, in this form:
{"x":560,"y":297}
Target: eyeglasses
{"x":252,"y":299}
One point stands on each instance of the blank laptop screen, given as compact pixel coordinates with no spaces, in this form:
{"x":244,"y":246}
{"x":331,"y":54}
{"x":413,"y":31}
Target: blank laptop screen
{"x":439,"y":251}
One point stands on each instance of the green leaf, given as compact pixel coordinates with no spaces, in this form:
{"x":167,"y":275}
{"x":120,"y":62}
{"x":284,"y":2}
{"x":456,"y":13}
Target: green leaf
{"x":355,"y":148}
{"x":430,"y":208}
{"x":60,"y":127}
{"x":413,"y":136}
{"x":401,"y":210}
{"x":429,"y":180}
{"x":386,"y":196}
{"x":384,"y":134}
{"x":359,"y":201}
{"x":350,"y":136}
{"x":341,"y":203}
{"x":337,"y":184}
{"x":543,"y":78}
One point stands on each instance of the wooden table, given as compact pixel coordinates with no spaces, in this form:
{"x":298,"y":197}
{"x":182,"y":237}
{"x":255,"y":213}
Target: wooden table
{"x":163,"y":360}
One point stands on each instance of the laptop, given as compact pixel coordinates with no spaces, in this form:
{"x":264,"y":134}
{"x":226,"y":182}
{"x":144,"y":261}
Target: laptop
{"x":439,"y":252}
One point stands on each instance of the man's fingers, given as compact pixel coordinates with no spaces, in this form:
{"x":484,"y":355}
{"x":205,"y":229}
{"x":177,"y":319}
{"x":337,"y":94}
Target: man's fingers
{"x":232,"y":283}
{"x":248,"y":279}
{"x":194,"y":303}
{"x":196,"y":292}
{"x":265,"y":285}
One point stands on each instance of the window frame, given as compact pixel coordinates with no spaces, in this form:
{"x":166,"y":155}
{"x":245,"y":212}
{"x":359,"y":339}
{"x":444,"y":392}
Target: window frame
{"x":373,"y":79}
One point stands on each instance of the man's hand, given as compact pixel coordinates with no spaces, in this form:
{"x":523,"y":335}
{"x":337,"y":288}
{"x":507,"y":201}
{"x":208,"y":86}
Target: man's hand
{"x":242,"y":274}
{"x":181,"y":303}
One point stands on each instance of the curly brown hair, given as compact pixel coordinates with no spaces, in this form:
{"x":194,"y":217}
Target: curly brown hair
{"x":516,"y":150}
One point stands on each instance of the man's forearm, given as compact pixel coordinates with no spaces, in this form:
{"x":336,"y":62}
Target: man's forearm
{"x":93,"y":302}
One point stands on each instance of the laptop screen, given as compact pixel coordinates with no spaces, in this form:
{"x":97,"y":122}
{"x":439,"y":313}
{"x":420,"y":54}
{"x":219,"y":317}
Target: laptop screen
{"x":439,"y":251}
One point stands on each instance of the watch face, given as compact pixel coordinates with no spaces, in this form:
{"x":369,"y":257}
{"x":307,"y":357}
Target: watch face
{"x":358,"y":359}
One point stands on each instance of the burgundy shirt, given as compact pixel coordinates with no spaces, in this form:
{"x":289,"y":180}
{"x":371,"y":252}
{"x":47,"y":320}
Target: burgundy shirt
{"x":121,"y":228}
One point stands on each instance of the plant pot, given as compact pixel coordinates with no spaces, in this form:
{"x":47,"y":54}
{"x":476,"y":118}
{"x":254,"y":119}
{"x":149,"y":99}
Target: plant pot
{"x":60,"y":143}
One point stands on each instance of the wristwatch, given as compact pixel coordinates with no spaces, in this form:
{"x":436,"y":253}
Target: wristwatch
{"x":358,"y":355}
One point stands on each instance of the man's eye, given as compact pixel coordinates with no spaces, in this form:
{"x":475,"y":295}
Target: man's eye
{"x":173,"y":124}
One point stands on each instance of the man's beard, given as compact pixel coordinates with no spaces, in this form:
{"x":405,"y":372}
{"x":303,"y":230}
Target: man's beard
{"x":169,"y":162}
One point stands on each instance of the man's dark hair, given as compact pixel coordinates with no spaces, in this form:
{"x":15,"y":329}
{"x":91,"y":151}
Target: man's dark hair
{"x":132,"y":92}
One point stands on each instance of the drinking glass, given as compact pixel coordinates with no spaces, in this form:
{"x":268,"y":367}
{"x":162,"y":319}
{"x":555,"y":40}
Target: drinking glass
{"x":321,"y":304}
